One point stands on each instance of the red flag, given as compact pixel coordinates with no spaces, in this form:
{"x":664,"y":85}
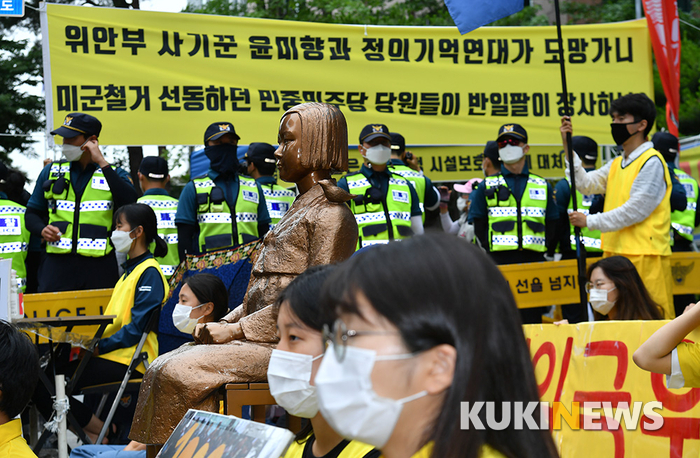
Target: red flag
{"x":664,"y":28}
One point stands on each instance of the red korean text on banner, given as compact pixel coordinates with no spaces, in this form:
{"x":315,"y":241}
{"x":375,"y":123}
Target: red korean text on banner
{"x":664,"y":29}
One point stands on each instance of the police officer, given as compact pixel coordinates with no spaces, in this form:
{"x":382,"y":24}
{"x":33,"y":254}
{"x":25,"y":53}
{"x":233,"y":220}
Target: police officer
{"x":587,"y":150}
{"x":153,"y":178}
{"x":261,"y":164}
{"x":14,"y":236}
{"x":221,"y":209}
{"x":513,"y":212}
{"x":387,"y":207}
{"x":78,"y":196}
{"x":490,"y":160}
{"x":404,"y":163}
{"x":683,"y":221}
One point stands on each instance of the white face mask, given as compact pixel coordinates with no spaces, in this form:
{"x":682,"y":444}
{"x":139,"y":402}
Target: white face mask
{"x":378,"y":154}
{"x":599,"y":300}
{"x":462,"y":203}
{"x":511,"y":154}
{"x":182,"y":320}
{"x":349,"y":403}
{"x":289,"y":377}
{"x":72,"y":152}
{"x":122,"y":240}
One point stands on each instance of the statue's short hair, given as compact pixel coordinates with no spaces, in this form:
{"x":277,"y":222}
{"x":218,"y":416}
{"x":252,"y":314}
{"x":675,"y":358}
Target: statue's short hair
{"x":324,"y":136}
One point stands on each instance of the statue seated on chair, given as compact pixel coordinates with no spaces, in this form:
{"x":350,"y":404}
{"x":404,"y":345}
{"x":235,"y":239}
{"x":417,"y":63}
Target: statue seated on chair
{"x":319,"y":228}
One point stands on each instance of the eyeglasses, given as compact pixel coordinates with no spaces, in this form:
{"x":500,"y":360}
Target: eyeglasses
{"x":340,"y":335}
{"x":508,"y":141}
{"x":591,"y":285}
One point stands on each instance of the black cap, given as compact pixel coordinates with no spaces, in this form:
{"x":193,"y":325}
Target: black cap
{"x":585,"y":147}
{"x":372,"y":131}
{"x":666,"y":144}
{"x":217,"y":130}
{"x":491,"y":152}
{"x":79,"y":123}
{"x":398,"y":144}
{"x":154,"y":167}
{"x":512,"y":130}
{"x":259,"y":153}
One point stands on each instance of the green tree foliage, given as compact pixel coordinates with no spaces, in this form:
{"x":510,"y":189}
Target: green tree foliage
{"x":371,"y":12}
{"x":623,"y":10}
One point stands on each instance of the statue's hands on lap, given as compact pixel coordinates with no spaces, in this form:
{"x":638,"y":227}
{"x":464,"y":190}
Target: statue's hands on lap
{"x":217,"y":333}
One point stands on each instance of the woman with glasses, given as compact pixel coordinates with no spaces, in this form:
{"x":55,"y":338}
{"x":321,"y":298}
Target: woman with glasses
{"x":403,"y":356}
{"x":616,"y":290}
{"x":293,"y":367}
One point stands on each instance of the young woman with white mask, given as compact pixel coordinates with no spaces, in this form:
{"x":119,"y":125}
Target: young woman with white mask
{"x":137,"y":295}
{"x":460,"y":227}
{"x":203,"y":298}
{"x":616,"y":291}
{"x":293,"y":366}
{"x":404,"y":355}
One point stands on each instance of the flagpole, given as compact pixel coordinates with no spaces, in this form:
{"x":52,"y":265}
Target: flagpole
{"x":580,"y":250}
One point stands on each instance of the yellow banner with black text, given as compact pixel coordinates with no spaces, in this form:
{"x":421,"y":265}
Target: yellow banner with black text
{"x":161,"y":78}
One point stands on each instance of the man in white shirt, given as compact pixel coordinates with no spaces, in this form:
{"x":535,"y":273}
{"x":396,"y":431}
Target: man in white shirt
{"x":636,"y":219}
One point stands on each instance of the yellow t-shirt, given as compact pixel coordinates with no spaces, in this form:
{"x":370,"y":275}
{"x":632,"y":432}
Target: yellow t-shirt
{"x":12,"y":444}
{"x":689,"y":360}
{"x":346,"y":449}
{"x":486,"y":452}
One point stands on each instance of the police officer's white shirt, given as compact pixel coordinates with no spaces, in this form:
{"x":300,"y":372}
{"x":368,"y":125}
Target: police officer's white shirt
{"x":648,"y":190}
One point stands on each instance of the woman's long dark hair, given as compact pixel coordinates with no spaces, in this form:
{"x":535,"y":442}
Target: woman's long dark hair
{"x":302,"y":296}
{"x":209,"y":288}
{"x":144,"y":216}
{"x":633,"y":299}
{"x":451,"y":293}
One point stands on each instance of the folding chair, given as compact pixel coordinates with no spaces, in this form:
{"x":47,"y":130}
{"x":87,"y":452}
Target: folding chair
{"x":127,"y":384}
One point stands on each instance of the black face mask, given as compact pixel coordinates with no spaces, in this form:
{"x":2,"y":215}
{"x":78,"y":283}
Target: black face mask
{"x":223,"y":158}
{"x":620,"y":134}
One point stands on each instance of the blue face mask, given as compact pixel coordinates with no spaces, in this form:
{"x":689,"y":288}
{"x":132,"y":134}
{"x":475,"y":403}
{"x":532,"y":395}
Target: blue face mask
{"x":223,"y":158}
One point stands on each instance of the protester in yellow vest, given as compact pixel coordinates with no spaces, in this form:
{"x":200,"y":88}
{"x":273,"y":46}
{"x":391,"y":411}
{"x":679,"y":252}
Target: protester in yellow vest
{"x":153,"y":178}
{"x":293,"y":366}
{"x":19,"y":374}
{"x":78,"y":196}
{"x":260,"y":164}
{"x":636,"y":220}
{"x":404,"y":357}
{"x":221,"y":209}
{"x":137,"y":295}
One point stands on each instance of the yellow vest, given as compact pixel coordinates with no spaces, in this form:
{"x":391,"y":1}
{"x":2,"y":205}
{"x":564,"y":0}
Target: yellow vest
{"x":120,"y":304}
{"x":648,"y":237}
{"x":353,"y":450}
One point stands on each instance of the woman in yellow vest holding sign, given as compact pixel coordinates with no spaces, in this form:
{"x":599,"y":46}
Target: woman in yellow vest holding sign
{"x":137,"y":295}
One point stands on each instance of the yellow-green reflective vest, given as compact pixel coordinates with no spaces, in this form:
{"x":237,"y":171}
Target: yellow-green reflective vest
{"x":591,"y":238}
{"x":384,"y":221}
{"x":278,"y":201}
{"x":416,"y":179}
{"x":516,"y":225}
{"x":216,"y":225}
{"x":165,"y":208}
{"x":91,"y":214}
{"x":683,"y":222}
{"x":14,"y":238}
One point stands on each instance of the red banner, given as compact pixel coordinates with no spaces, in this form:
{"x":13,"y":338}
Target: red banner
{"x":664,"y":29}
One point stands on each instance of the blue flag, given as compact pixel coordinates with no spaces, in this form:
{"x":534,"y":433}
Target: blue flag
{"x":472,"y":14}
